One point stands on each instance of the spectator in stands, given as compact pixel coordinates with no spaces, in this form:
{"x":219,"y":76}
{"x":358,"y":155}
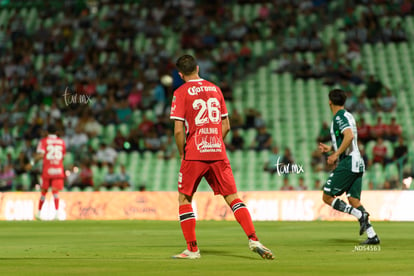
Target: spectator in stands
{"x":169,"y":148}
{"x":394,"y":130}
{"x":317,"y":184}
{"x":373,"y":91}
{"x":351,"y":99}
{"x":6,"y":138}
{"x":123,"y":111}
{"x":84,"y":178}
{"x":135,"y":97}
{"x":364,"y":131}
{"x":386,"y":32}
{"x":286,"y":185}
{"x":303,"y":43}
{"x":259,"y":121}
{"x":237,"y":141}
{"x":380,"y":129}
{"x":290,"y":43}
{"x":119,"y":141}
{"x":236,"y":120}
{"x":263,"y":140}
{"x":274,"y":159}
{"x":315,"y":43}
{"x":361,"y":106}
{"x":226,"y":90}
{"x":283,"y":63}
{"x":358,"y":75}
{"x":251,"y":114}
{"x":245,"y":54}
{"x":152,"y":142}
{"x":301,"y":185}
{"x":324,"y":133}
{"x":379,"y":152}
{"x":78,"y":140}
{"x":124,"y":179}
{"x":92,"y":127}
{"x":398,"y":34}
{"x":287,"y":158}
{"x":105,"y":155}
{"x":21,"y":164}
{"x":400,"y":152}
{"x":7,"y":176}
{"x":110,"y":179}
{"x":29,"y":149}
{"x":146,"y":125}
{"x":318,"y":161}
{"x":364,"y":155}
{"x":388,"y":103}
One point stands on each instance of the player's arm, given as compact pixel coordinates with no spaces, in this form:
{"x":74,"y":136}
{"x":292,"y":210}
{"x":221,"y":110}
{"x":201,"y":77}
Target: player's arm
{"x":40,"y":152}
{"x":346,"y":142}
{"x":179,"y":136}
{"x":324,"y":148}
{"x":225,"y":126}
{"x":38,"y":156}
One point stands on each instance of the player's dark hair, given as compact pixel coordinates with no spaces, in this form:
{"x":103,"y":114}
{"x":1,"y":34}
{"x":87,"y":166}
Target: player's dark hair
{"x":51,"y":129}
{"x":337,"y":97}
{"x":186,"y":64}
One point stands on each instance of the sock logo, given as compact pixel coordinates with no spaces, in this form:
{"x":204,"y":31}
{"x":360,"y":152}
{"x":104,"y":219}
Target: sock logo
{"x":187,"y":216}
{"x":237,"y":206}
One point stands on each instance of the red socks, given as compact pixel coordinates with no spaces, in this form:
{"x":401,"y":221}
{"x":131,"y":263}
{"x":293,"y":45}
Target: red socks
{"x":188,"y":223}
{"x":42,"y":199}
{"x":242,"y":215}
{"x":56,"y":197}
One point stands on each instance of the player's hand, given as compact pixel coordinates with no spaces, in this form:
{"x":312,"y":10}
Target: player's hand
{"x":324,"y":148}
{"x":332,"y":158}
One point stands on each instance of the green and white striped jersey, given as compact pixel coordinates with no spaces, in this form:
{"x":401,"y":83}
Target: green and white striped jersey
{"x":341,"y":121}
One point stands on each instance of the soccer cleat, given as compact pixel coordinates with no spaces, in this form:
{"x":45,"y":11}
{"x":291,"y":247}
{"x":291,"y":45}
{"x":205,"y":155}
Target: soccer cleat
{"x":187,"y":254}
{"x":260,"y":249}
{"x":373,"y":240}
{"x":363,"y":223}
{"x":37,"y":216}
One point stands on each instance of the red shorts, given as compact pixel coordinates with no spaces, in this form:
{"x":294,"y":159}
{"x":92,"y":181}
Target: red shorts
{"x":218,"y":174}
{"x":55,"y":183}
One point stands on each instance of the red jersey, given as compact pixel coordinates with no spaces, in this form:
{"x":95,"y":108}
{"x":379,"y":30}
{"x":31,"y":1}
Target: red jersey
{"x":379,"y":152}
{"x":54,"y":150}
{"x":200,"y":104}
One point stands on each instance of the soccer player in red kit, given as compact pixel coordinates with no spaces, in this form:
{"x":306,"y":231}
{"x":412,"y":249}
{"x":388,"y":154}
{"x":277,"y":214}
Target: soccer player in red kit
{"x":200,"y":125}
{"x":51,"y":149}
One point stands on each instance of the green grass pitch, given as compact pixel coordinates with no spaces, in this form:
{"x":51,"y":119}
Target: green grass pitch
{"x":145,"y":248}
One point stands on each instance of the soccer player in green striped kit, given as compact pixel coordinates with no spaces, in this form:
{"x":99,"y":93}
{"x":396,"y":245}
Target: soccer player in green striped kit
{"x":347,"y":176}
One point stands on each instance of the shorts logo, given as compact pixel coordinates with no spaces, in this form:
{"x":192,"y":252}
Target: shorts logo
{"x":180,"y":177}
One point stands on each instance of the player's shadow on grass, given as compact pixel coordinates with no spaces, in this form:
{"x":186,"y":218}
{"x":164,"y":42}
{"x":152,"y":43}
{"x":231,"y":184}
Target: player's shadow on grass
{"x":227,"y":253}
{"x":343,"y":241}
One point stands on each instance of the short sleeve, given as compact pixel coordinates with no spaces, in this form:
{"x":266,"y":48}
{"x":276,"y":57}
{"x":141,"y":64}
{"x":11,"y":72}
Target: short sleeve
{"x":41,"y":147}
{"x":177,"y":106}
{"x":342,"y":123}
{"x":224,"y":112}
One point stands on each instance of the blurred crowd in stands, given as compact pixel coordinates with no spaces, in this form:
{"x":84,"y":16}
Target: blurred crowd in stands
{"x":82,"y":73}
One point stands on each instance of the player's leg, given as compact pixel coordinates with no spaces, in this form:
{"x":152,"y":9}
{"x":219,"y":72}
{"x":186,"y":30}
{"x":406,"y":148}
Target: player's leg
{"x":354,"y":195}
{"x":43,"y":192}
{"x":221,"y":180}
{"x":57,"y":185}
{"x":338,"y":182}
{"x":188,"y":180}
{"x":242,"y":215}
